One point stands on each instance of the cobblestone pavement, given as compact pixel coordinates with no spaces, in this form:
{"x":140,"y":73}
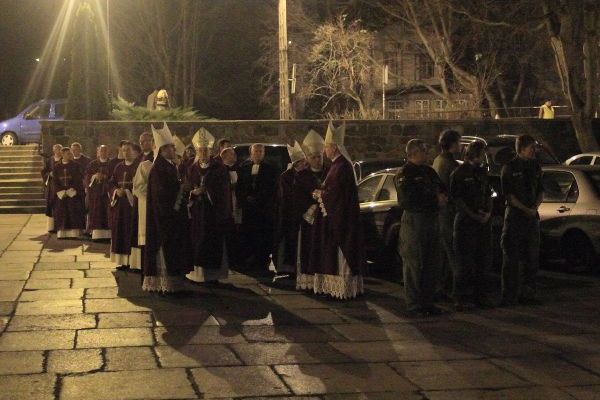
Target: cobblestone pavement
{"x":73,"y":328}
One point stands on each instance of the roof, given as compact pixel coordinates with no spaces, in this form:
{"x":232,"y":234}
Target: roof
{"x":562,"y":167}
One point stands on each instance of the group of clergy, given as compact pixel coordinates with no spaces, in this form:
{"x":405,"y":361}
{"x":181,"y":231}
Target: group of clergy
{"x":185,"y":215}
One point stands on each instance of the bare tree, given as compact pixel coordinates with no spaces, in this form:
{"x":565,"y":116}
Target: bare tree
{"x":157,"y":43}
{"x":341,"y":68}
{"x":574,"y":30}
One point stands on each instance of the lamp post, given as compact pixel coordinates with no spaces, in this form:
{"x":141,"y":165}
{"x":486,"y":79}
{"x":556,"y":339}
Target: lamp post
{"x":108,"y":77}
{"x":284,"y":91}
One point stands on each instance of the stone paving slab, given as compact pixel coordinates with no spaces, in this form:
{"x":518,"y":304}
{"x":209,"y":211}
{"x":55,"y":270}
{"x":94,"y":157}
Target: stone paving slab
{"x":47,"y":307}
{"x":114,"y":337}
{"x":198,"y":335}
{"x":463,"y":374}
{"x":529,"y":393}
{"x":112,"y":305}
{"x":51,"y":322}
{"x":146,"y":384}
{"x":130,"y":358}
{"x":238,"y":382}
{"x":547,"y":370}
{"x":74,"y":361}
{"x":213,"y":355}
{"x":288,"y":353}
{"x":343,"y":378}
{"x":51,"y":294}
{"x":21,"y":362}
{"x":125,"y":320}
{"x":30,"y":387}
{"x":48,"y":284}
{"x":41,"y":340}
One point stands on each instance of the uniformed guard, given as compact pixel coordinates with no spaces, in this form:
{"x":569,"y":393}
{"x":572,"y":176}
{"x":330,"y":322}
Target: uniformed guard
{"x":444,"y":164}
{"x":522,"y":188}
{"x":420,"y":195}
{"x":471,"y":193}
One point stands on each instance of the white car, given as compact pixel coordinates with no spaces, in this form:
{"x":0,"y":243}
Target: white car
{"x":584,"y":159}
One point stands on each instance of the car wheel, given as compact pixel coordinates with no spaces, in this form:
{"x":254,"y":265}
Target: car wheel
{"x":9,"y":139}
{"x":578,"y":252}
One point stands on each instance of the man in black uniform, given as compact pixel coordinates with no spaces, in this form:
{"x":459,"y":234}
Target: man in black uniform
{"x":522,"y":188}
{"x":444,"y":164}
{"x":471,"y":193}
{"x":256,"y":193}
{"x":420,"y":194}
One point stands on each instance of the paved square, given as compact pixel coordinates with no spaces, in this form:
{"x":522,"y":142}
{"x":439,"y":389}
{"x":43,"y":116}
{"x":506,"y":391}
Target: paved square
{"x":72,"y":327}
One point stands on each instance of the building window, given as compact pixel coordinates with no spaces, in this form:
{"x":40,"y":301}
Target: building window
{"x":422,"y":108}
{"x":424,"y":68}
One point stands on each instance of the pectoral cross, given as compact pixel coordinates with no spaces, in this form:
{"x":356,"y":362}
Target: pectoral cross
{"x":124,"y":181}
{"x":65,"y":178}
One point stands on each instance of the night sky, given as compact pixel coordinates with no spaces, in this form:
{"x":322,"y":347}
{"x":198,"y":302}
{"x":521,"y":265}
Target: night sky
{"x":24,"y":28}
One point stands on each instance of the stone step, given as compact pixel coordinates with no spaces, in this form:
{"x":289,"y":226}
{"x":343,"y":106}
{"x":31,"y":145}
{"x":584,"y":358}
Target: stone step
{"x":6,"y":176}
{"x":20,"y":169}
{"x":22,"y":158}
{"x":21,"y":181}
{"x":18,"y":202}
{"x":21,"y":203}
{"x":22,"y":210}
{"x":14,"y":151}
{"x":13,"y":188}
{"x":37,"y":195}
{"x":21,"y":163}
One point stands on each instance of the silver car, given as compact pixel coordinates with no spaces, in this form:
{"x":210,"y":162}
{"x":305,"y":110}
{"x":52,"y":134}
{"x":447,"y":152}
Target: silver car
{"x":592,"y":158}
{"x":570,"y":215}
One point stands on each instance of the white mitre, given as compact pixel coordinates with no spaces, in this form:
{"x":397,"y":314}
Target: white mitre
{"x":335,"y":135}
{"x":179,"y":145}
{"x":162,"y":137}
{"x":313,"y":143}
{"x":295,"y":152}
{"x":203,"y":139}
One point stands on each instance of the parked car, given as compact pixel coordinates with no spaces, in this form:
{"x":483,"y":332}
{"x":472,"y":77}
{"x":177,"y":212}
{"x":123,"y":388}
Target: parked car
{"x":501,"y":149}
{"x":584,"y":159}
{"x":275,"y":154}
{"x":380,"y":218}
{"x":26,"y":127}
{"x":363,"y":168}
{"x":569,"y":216}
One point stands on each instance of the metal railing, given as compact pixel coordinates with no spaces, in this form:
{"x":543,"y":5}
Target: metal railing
{"x":481,"y":113}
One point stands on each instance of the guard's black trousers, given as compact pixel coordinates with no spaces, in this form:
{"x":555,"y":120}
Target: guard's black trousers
{"x":521,"y":252}
{"x":473,"y":252}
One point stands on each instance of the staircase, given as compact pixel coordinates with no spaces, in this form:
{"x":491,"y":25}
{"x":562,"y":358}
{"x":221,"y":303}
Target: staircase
{"x":21,"y":186}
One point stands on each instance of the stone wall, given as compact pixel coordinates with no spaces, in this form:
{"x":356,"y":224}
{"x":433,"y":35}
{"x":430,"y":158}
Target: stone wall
{"x":364,"y":138}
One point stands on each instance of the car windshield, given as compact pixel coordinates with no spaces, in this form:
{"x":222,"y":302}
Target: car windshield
{"x":500,"y":155}
{"x":373,"y":166}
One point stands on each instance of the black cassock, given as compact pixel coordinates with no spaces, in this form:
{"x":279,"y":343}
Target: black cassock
{"x":211,"y":221}
{"x":287,"y":224}
{"x":256,"y":196}
{"x":121,"y":212}
{"x":68,"y":208}
{"x":166,"y":254}
{"x":49,"y":188}
{"x":97,"y":187}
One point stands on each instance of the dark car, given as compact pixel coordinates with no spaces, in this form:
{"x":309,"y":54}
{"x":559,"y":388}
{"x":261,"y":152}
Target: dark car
{"x":501,"y":149}
{"x":275,"y":154}
{"x":364,"y":168}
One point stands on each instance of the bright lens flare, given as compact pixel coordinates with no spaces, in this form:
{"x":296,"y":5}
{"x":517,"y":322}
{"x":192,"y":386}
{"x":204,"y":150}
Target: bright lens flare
{"x":55,"y":51}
